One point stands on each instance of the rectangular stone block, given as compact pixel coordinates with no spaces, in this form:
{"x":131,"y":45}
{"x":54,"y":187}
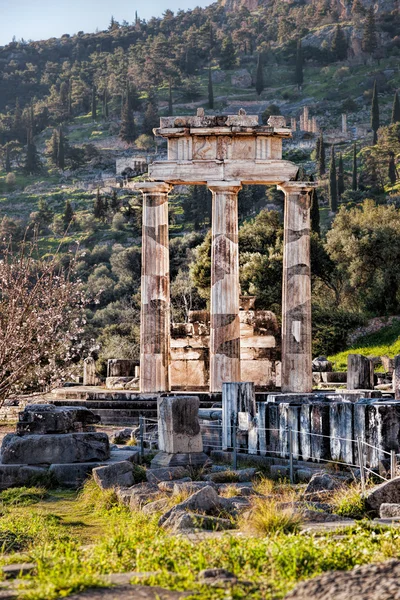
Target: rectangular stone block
{"x":48,"y":449}
{"x":178,"y":424}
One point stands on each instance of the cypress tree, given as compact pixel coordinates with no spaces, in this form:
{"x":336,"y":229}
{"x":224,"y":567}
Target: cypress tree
{"x":375,"y":113}
{"x":61,"y":151}
{"x":260,"y":75}
{"x":70,"y":99}
{"x":127,"y":132}
{"x":392,"y":169}
{"x":32,"y":162}
{"x":299,"y":77}
{"x":354,"y":180}
{"x":369,"y":41}
{"x":170,"y":101}
{"x":339,"y":44}
{"x":314,"y":213}
{"x":333,"y":192}
{"x":68,"y":214}
{"x":94,"y":103}
{"x":54,"y":148}
{"x":396,"y":109}
{"x":8,"y":159}
{"x":98,"y":206}
{"x":114,"y":204}
{"x":151,"y":118}
{"x":340,"y":180}
{"x":321,"y":157}
{"x":210,"y":90}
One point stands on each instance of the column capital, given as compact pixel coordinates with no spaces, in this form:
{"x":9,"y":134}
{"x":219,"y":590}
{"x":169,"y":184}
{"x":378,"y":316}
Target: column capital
{"x":299,"y":187}
{"x":152,"y":187}
{"x":224,"y":186}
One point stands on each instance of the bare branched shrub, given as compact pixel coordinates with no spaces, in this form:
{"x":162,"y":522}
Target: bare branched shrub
{"x":41,"y":319}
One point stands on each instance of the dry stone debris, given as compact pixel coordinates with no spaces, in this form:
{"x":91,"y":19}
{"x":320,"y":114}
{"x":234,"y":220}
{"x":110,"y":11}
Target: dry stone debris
{"x":386,"y":493}
{"x":205,"y":500}
{"x":180,"y":520}
{"x":369,"y":582}
{"x":389,"y":511}
{"x":166,"y":474}
{"x":119,"y":474}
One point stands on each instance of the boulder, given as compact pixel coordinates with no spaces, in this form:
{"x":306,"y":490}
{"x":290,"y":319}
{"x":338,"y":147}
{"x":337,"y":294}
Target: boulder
{"x":48,"y":449}
{"x":322,"y":482}
{"x":386,"y":493}
{"x":166,"y":474}
{"x":389,"y":511}
{"x":231,"y":476}
{"x":321,"y":365}
{"x":156,"y":506}
{"x":181,"y":520}
{"x":119,"y":474}
{"x":122,"y":436}
{"x":49,"y":419}
{"x":205,"y":500}
{"x":370,"y":582}
{"x":216,"y":577}
{"x":142,"y":494}
{"x":168,"y":486}
{"x":190,"y":487}
{"x":241,"y":79}
{"x":218,"y":76}
{"x":241,"y":489}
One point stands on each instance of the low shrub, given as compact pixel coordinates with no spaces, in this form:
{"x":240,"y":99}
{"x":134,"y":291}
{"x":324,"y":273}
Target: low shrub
{"x":266,"y":518}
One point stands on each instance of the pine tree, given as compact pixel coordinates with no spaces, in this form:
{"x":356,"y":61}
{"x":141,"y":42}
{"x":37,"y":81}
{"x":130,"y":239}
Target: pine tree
{"x":210,"y":90}
{"x":321,"y":157}
{"x":375,"y":113}
{"x":340,"y":179}
{"x":369,"y":41}
{"x":32,"y":161}
{"x":396,"y":109}
{"x":61,"y":151}
{"x":392,"y":169}
{"x":70,"y":99}
{"x":127,"y":132}
{"x":94,"y":103}
{"x":333,"y":192}
{"x":227,"y":54}
{"x":260,"y":75}
{"x":170,"y":101}
{"x":68,"y":214}
{"x":8,"y":159}
{"x":354,"y":180}
{"x":298,"y":76}
{"x":17,"y":122}
{"x":357,"y":8}
{"x":64,"y":92}
{"x":105,"y":104}
{"x":339,"y":44}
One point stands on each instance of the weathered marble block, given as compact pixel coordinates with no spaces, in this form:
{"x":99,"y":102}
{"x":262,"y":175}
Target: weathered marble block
{"x":48,"y":449}
{"x":49,"y":419}
{"x":180,"y":441}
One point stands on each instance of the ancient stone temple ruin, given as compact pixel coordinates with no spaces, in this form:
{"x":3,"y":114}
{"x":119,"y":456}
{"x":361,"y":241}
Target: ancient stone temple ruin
{"x":224,"y":152}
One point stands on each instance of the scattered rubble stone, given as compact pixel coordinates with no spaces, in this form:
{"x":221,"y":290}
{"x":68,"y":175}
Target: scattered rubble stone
{"x":181,"y":520}
{"x":322,"y":482}
{"x":205,"y":500}
{"x":142,"y":494}
{"x":17,"y":570}
{"x":388,"y":511}
{"x":157,"y":506}
{"x":239,"y":475}
{"x":166,"y":474}
{"x":386,"y":493}
{"x":119,"y":474}
{"x":369,"y":582}
{"x":168,"y":486}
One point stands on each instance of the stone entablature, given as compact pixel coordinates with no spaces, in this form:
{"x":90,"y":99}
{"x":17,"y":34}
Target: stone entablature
{"x":260,"y":350}
{"x":213,"y":148}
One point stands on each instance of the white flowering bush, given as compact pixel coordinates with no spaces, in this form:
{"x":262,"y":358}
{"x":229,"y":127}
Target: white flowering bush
{"x":41,"y":319}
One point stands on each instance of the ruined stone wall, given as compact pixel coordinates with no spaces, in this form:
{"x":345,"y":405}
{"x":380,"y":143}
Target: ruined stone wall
{"x":260,"y":350}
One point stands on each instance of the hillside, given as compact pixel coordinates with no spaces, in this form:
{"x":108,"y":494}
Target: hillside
{"x":103,"y":93}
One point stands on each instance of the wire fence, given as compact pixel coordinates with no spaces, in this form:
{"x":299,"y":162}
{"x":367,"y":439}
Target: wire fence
{"x":288,"y":441}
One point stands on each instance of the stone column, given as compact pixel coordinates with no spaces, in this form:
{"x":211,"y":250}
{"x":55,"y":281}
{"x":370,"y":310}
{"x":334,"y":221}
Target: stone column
{"x":225,"y":289}
{"x":296,"y":290}
{"x":155,"y":297}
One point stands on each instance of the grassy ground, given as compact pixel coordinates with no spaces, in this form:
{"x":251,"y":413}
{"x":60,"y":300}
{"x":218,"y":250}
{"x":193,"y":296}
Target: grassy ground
{"x":386,"y":341}
{"x":77,"y":538}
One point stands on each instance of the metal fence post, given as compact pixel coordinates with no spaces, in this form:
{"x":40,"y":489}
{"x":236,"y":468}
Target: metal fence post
{"x":291,"y":472}
{"x":393,"y":464}
{"x":361,"y":462}
{"x":234,"y":444}
{"x":141,"y":437}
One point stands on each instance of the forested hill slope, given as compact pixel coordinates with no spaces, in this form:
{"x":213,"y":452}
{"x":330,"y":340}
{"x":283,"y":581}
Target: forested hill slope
{"x":70,"y":107}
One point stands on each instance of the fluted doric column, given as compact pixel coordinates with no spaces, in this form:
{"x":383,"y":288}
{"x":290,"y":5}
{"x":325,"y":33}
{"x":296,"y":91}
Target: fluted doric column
{"x":225,"y":289}
{"x":296,"y":292}
{"x":155,"y":295}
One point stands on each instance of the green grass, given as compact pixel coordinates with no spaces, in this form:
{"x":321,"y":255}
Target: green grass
{"x":386,"y":341}
{"x":75,"y":539}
